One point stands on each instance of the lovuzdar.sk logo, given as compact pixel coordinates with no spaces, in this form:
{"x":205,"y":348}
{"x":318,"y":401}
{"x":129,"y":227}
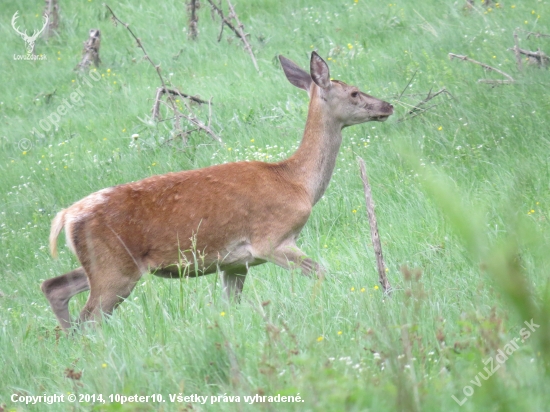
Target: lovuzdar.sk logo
{"x":29,"y":40}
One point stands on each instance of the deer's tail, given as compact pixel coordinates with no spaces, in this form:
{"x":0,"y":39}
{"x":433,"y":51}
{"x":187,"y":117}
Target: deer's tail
{"x":57,"y":226}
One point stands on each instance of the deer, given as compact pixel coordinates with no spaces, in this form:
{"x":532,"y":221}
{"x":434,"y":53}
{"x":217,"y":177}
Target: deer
{"x":233,"y":216}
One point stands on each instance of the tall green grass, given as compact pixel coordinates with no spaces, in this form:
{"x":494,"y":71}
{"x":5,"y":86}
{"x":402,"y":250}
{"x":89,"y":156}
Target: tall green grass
{"x":462,"y":195}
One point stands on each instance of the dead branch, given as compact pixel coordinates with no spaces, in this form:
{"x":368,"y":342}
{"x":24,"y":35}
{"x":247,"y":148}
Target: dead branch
{"x":419,"y":107}
{"x":382,"y":278}
{"x":52,"y":11}
{"x":170,"y":93}
{"x":192,"y":7}
{"x":116,"y":20}
{"x":197,"y":122}
{"x":156,"y":104}
{"x":486,"y":67}
{"x":195,"y":99}
{"x":494,"y":82}
{"x":90,"y":52}
{"x":535,"y":34}
{"x":239,"y":30}
{"x":191,"y":118}
{"x":539,"y":57}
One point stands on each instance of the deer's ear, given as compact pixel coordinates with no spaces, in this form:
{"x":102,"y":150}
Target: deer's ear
{"x":319,"y":71}
{"x":295,"y":75}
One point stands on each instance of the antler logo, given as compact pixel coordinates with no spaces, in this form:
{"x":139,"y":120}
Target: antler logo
{"x":29,"y":40}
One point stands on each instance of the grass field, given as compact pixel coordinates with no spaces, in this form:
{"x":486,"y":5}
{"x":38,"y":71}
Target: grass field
{"x":462,"y":193}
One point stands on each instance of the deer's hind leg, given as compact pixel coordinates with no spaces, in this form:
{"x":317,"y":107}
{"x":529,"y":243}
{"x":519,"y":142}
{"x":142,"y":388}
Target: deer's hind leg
{"x":109,"y":286}
{"x":61,"y":289}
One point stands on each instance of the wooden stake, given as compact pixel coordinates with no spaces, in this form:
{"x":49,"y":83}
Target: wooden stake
{"x":192,"y":6}
{"x":374,"y":230}
{"x":90,"y":52}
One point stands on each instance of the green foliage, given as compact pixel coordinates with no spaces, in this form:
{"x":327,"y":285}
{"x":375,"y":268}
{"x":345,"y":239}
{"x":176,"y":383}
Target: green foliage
{"x":462,"y":194}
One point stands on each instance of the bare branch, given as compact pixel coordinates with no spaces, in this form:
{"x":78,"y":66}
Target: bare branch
{"x":156,"y":105}
{"x":197,"y":122}
{"x":140,"y":45}
{"x":485,"y":66}
{"x":239,"y":30}
{"x":539,"y":57}
{"x":419,"y":107}
{"x":405,"y":88}
{"x":243,"y":35}
{"x":535,"y":34}
{"x":171,"y":93}
{"x":176,"y":92}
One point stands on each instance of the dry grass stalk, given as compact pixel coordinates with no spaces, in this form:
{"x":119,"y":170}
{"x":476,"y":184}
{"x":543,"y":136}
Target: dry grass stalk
{"x":90,"y":52}
{"x":382,"y":278}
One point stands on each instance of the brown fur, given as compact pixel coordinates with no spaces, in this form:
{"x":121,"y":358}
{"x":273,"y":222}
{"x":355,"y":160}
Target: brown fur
{"x":225,"y":217}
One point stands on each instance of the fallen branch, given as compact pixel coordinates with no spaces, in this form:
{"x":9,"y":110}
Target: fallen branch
{"x":239,"y":30}
{"x":535,"y":34}
{"x":382,"y":278}
{"x":539,"y":57}
{"x":486,"y":67}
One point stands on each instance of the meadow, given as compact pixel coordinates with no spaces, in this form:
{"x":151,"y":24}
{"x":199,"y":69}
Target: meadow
{"x":461,"y":185}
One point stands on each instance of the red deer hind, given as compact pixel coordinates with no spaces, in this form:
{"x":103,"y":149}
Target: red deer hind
{"x":237,"y":215}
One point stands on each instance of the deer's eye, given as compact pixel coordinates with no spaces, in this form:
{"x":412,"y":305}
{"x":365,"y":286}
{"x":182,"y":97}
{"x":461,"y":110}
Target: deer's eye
{"x":354,"y":94}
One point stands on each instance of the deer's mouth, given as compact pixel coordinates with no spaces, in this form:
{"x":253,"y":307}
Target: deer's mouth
{"x":381,"y":118}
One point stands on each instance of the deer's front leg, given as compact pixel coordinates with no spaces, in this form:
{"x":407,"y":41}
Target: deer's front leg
{"x":233,"y":282}
{"x":290,"y":256}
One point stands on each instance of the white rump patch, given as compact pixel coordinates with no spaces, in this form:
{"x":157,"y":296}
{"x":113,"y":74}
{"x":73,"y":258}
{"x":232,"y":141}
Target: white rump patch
{"x":82,"y":209}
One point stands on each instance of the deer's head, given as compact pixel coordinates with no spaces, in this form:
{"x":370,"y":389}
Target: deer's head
{"x":343,"y":102}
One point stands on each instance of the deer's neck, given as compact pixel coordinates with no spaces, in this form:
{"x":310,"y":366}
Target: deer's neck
{"x":313,"y":163}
